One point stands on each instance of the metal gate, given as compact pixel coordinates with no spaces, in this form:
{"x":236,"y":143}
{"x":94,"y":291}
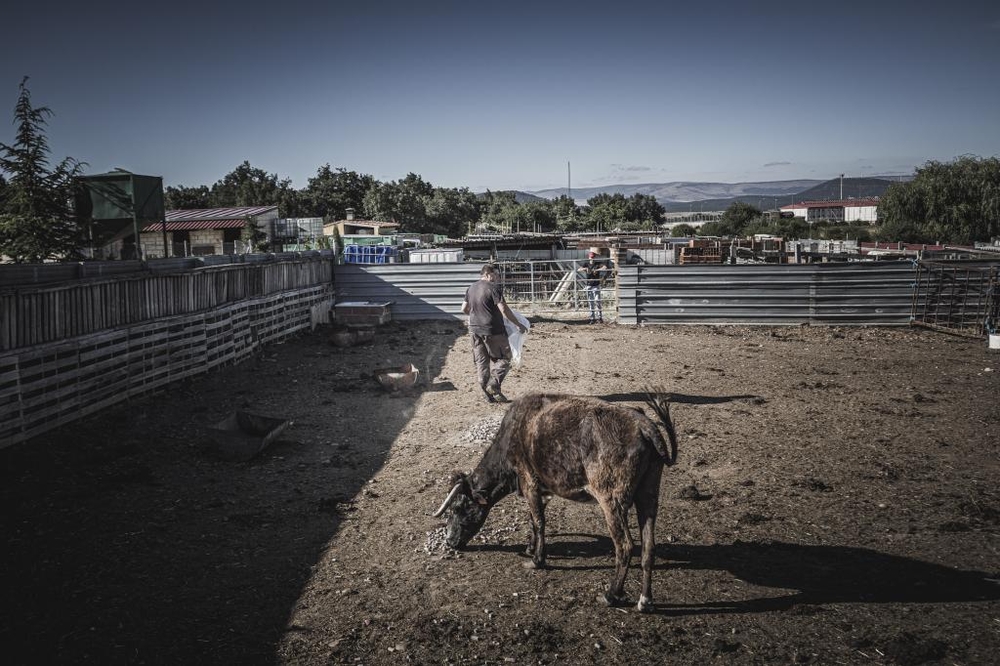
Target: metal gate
{"x":553,"y":289}
{"x":962,"y":298}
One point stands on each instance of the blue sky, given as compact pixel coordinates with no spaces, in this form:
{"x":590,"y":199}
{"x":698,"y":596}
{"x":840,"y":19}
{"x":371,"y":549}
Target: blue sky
{"x":503,"y":96}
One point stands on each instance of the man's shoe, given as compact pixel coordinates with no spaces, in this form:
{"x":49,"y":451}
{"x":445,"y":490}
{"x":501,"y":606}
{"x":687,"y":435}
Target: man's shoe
{"x":489,"y":398}
{"x":493,"y":390}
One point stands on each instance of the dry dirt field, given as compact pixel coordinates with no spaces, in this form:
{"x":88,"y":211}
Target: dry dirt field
{"x":835,"y":502}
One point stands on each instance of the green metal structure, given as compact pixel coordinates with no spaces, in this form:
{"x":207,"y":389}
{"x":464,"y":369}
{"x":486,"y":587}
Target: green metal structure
{"x":117,"y":204}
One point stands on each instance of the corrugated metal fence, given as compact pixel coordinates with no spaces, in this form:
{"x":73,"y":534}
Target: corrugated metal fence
{"x":819,"y":294}
{"x":416,"y":291}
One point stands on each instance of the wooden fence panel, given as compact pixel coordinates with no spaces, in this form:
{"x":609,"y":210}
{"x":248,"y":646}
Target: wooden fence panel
{"x":34,"y":315}
{"x":48,"y":385}
{"x":71,"y":349}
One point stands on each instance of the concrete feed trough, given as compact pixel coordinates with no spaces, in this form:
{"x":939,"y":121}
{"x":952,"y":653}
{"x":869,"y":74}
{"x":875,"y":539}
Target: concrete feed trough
{"x":397,"y":379}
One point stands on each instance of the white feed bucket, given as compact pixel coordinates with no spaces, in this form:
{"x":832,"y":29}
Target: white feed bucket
{"x":995,"y":341}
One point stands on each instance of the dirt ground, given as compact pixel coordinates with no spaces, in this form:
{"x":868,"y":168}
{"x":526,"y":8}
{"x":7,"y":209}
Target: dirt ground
{"x":835,"y":502}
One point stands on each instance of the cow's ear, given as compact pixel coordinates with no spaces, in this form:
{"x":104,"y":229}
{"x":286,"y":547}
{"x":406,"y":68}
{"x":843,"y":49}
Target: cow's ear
{"x":458,"y":477}
{"x":479,"y":497}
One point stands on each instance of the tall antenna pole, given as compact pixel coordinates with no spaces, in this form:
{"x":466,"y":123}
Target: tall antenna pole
{"x":841,"y":187}
{"x":569,"y":188}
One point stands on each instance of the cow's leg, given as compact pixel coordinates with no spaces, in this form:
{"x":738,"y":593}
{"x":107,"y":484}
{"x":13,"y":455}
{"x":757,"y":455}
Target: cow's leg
{"x":616,"y":514}
{"x":536,"y":511}
{"x":532,"y":537}
{"x":646,"y":505}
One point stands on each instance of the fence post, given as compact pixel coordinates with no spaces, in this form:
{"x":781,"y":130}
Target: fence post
{"x":531,"y":275}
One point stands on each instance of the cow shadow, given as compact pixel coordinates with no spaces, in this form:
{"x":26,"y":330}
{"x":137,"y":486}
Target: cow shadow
{"x":823,"y":575}
{"x":800,"y":574}
{"x":578,"y":554}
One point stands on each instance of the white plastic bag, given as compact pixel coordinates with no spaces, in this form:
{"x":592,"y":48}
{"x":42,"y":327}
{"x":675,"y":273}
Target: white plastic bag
{"x":515,"y":336}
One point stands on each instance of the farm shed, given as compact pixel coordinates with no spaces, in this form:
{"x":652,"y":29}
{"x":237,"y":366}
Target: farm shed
{"x":200,"y":232}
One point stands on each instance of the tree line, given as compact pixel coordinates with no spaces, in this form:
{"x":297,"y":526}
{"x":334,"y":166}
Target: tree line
{"x":417,"y":205}
{"x":956,"y":202}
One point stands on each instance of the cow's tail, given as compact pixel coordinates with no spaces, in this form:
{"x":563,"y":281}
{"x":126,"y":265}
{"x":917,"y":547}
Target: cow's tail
{"x":660,"y":404}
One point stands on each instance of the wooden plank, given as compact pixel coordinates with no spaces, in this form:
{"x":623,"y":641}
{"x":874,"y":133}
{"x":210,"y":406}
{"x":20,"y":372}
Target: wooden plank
{"x":46,"y":385}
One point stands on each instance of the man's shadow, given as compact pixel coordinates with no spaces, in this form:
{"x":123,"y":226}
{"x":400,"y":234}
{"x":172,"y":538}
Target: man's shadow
{"x":680,"y":398}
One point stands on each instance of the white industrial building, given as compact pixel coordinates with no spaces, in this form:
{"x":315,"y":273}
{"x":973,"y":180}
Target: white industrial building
{"x":845,"y":210}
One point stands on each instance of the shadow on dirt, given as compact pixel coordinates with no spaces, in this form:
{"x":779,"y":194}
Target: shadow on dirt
{"x":823,"y":575}
{"x":820,"y":574}
{"x":680,"y":398}
{"x":124,"y":541}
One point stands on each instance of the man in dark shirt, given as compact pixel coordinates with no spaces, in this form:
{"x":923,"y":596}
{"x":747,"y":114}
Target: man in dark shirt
{"x":594,"y":272}
{"x":486,"y":307}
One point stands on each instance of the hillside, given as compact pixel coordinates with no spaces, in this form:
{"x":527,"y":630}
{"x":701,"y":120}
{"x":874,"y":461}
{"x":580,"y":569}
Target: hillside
{"x":687,"y":197}
{"x":519,"y":196}
{"x":853,"y":188}
{"x":689,"y":191}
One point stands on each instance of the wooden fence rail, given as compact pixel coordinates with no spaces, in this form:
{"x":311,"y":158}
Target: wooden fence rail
{"x":38,"y":314}
{"x":69,"y":350}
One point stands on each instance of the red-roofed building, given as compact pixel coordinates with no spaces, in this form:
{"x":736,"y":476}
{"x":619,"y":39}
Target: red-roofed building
{"x":209,"y":230}
{"x":844,"y":210}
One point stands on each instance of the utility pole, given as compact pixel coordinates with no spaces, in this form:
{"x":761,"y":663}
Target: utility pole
{"x":569,"y":188}
{"x":841,"y":187}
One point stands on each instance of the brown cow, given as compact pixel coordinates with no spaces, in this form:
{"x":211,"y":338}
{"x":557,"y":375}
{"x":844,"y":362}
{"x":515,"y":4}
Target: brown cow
{"x":579,"y":448}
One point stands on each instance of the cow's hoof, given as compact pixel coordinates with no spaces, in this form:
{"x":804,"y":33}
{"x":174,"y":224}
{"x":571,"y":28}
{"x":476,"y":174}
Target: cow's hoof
{"x":533,"y":564}
{"x":645,"y":604}
{"x":612,"y":600}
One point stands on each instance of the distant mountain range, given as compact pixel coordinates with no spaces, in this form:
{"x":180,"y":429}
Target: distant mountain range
{"x":687,"y":196}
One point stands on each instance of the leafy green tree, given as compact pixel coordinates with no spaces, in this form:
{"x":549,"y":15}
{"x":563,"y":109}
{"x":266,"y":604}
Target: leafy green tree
{"x":181,"y":197}
{"x":500,"y":211}
{"x":858,"y":232}
{"x":36,"y":214}
{"x":645,"y":210}
{"x":249,"y":186}
{"x":539,"y":216}
{"x":740,"y":214}
{"x":568,"y":217}
{"x":379,"y":203}
{"x":682,"y":230}
{"x":412,"y":195}
{"x":289,"y":200}
{"x":615,"y":211}
{"x":403,"y":201}
{"x":338,"y":242}
{"x":607,"y":211}
{"x":255,"y":236}
{"x":956,"y":202}
{"x":734,"y":221}
{"x":785,"y":227}
{"x":450,"y":211}
{"x":331,"y":192}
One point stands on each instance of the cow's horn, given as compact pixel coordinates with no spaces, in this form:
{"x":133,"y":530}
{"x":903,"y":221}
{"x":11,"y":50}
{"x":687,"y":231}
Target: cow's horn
{"x":448,"y":500}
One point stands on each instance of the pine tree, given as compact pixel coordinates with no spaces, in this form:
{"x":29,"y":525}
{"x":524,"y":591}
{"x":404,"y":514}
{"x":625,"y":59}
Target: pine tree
{"x":36,"y":212}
